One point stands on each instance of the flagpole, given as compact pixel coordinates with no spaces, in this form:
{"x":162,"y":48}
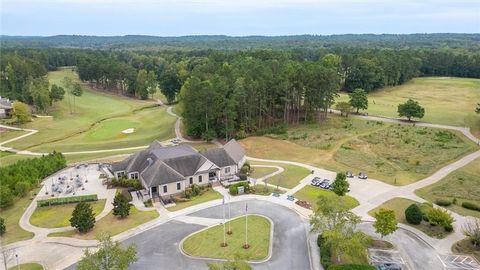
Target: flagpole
{"x":229,"y":218}
{"x":224,"y":244}
{"x":246,"y":246}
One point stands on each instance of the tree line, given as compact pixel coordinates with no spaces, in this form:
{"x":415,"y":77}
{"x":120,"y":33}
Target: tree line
{"x":19,"y":178}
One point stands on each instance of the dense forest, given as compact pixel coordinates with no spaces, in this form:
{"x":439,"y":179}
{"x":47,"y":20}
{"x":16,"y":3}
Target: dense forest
{"x":233,"y":92}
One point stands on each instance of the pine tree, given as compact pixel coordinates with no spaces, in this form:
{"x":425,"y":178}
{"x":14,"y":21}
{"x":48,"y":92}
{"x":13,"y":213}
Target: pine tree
{"x":121,"y":206}
{"x":83,"y":217}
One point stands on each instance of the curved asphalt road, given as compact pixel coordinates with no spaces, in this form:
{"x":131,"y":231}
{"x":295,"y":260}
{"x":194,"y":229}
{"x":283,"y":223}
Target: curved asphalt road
{"x":158,"y":248}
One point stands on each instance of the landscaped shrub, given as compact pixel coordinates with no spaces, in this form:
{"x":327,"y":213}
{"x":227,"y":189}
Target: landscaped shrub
{"x":471,"y":206}
{"x":448,"y":227}
{"x":352,"y":267}
{"x":127,"y":183}
{"x":65,"y":200}
{"x":192,"y":191}
{"x":3,"y":228}
{"x":443,"y":202}
{"x":233,"y":189}
{"x":440,"y":217}
{"x":325,"y":252}
{"x":148,"y":203}
{"x":413,"y":214}
{"x":246,"y":167}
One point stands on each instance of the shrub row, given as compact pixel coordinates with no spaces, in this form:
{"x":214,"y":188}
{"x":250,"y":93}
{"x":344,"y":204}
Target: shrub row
{"x":127,"y":183}
{"x":65,"y":200}
{"x":443,"y":202}
{"x":471,"y":206}
{"x":233,"y":189}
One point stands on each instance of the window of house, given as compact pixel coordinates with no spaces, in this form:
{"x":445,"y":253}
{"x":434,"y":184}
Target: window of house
{"x":120,"y":174}
{"x":227,"y":170}
{"x":179,"y":186}
{"x":165,"y":189}
{"x":199,"y":178}
{"x":191,"y":180}
{"x":134,"y":175}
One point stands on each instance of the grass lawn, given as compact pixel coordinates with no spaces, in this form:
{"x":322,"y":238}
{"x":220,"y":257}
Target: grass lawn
{"x":463,"y":184}
{"x":399,"y":205}
{"x":7,"y":134}
{"x":5,"y":153}
{"x":59,"y":215}
{"x":289,"y":178}
{"x":27,"y":266}
{"x":311,"y":194}
{"x":207,"y":243}
{"x":112,"y":224}
{"x":12,"y":216}
{"x":393,"y":153}
{"x":450,"y":101}
{"x":258,"y":172}
{"x":465,"y":246}
{"x":205,"y":197}
{"x":95,"y":126}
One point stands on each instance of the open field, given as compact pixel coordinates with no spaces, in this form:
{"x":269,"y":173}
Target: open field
{"x":12,"y":216}
{"x":205,"y":197}
{"x":7,"y":134}
{"x":112,"y":224}
{"x":463,"y":184}
{"x":399,"y":205}
{"x":289,"y":178}
{"x":311,"y":194}
{"x":207,"y":243}
{"x":97,"y":123}
{"x":393,"y":153}
{"x":450,"y":101}
{"x":59,"y":215}
{"x":259,"y":172}
{"x":27,"y":266}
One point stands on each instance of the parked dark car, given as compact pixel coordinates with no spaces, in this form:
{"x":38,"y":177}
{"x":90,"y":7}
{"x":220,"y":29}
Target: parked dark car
{"x":389,"y":266}
{"x":362,"y":175}
{"x":349,"y":174}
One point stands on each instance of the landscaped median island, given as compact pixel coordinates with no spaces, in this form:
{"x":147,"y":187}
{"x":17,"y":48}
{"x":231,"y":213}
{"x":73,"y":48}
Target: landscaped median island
{"x":112,"y":224}
{"x":208,"y":243}
{"x":399,"y":205}
{"x":457,"y":190}
{"x":310,"y":194}
{"x":27,"y":266}
{"x":59,"y":215}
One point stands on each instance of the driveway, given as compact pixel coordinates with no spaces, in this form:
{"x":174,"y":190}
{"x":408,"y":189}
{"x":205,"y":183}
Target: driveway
{"x":158,"y":248}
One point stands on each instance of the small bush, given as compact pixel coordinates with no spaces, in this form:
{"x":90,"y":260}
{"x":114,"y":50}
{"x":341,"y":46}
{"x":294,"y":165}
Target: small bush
{"x":148,"y":203}
{"x":443,"y":202}
{"x":413,"y":214}
{"x":471,"y":206}
{"x":127,"y":183}
{"x":325,"y":252}
{"x":448,"y":227}
{"x":3,"y":228}
{"x":440,"y":217}
{"x":233,"y":189}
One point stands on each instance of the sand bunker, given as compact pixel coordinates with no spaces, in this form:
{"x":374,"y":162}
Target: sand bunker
{"x":128,"y":131}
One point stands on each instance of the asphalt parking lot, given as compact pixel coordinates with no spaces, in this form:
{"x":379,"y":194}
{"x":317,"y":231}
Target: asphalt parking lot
{"x":378,"y":256}
{"x":459,"y":262}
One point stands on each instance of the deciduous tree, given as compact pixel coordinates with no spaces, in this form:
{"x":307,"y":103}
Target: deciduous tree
{"x":359,"y":99}
{"x":411,"y":109}
{"x":110,"y":255}
{"x":21,"y":112}
{"x":385,"y":222}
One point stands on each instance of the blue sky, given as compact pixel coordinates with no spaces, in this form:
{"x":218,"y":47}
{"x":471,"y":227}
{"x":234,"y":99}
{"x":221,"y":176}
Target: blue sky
{"x":236,"y":17}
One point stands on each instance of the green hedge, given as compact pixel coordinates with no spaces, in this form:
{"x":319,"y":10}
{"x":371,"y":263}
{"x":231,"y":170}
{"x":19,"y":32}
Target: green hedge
{"x":351,"y":267}
{"x":325,"y":253}
{"x":65,"y":200}
{"x":443,"y":202}
{"x":471,"y":206}
{"x":127,"y":183}
{"x":233,"y":189}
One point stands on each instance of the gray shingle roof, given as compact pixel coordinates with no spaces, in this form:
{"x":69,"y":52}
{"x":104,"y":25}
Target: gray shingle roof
{"x":234,"y":150}
{"x":219,"y":157}
{"x":158,"y":174}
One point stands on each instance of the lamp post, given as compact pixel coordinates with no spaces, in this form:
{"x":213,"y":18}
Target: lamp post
{"x":16,"y":257}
